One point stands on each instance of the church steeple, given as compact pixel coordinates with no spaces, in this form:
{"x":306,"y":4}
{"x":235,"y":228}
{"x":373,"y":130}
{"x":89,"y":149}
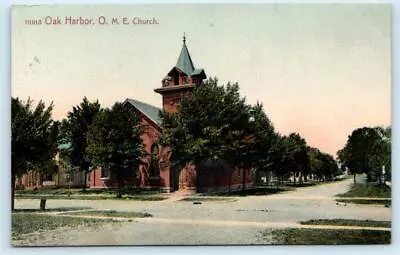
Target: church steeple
{"x":182,"y":78}
{"x":185,"y":63}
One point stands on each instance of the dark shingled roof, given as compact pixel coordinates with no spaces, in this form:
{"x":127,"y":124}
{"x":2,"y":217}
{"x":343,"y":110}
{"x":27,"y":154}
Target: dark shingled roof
{"x":149,"y":110}
{"x":185,"y":63}
{"x":198,"y":71}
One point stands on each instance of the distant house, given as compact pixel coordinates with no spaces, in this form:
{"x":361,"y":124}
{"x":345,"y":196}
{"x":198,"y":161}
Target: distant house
{"x":66,"y":175}
{"x":59,"y":178}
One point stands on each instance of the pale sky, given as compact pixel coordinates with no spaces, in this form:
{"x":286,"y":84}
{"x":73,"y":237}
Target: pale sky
{"x":320,"y":70}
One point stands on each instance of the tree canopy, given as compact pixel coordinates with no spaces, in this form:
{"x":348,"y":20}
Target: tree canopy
{"x":34,"y":138}
{"x":211,"y":123}
{"x":215,"y":123}
{"x":114,"y":142}
{"x":366,"y":151}
{"x":75,"y":129}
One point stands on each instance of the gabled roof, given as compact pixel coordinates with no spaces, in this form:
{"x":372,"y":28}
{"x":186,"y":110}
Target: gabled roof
{"x":185,"y":63}
{"x":199,"y":71}
{"x":148,"y":110}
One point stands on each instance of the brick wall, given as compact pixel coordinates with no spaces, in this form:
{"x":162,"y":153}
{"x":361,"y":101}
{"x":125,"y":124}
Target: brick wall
{"x":218,"y":176}
{"x":150,"y":135}
{"x":170,"y":102}
{"x":220,"y":181}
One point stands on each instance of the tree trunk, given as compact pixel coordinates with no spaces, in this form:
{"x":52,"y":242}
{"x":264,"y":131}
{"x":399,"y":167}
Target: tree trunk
{"x":42,"y":204}
{"x":85,"y":181}
{"x":354,"y":178}
{"x":380,"y":177}
{"x":12,"y":191}
{"x":244,"y":179}
{"x":119,"y":193}
{"x":230,"y":181}
{"x":294,"y":178}
{"x":257,"y":178}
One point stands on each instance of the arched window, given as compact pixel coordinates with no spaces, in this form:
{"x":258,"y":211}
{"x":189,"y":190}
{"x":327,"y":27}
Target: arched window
{"x":154,"y":171}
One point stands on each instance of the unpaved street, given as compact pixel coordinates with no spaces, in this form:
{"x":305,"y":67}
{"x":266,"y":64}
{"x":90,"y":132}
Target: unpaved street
{"x":179,"y":222}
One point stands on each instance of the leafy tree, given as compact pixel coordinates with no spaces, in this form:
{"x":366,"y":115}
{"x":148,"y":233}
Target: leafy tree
{"x":114,"y":142}
{"x":296,"y":158}
{"x":380,"y":153}
{"x":330,"y":167}
{"x":279,"y":162}
{"x":261,"y":149}
{"x":48,"y":166}
{"x":75,"y":129}
{"x":366,"y":151}
{"x":387,"y":151}
{"x":33,"y":138}
{"x":322,"y":165}
{"x":211,"y":123}
{"x":316,"y":162}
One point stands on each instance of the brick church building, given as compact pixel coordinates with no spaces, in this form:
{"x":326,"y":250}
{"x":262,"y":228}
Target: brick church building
{"x":157,"y":171}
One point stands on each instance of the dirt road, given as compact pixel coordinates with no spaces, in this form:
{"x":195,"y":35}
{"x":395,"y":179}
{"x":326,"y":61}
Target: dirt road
{"x":179,"y":222}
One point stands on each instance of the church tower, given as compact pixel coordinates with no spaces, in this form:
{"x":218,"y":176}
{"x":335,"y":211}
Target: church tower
{"x":182,"y":78}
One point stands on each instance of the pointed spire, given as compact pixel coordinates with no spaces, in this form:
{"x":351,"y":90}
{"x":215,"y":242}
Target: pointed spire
{"x":185,"y":63}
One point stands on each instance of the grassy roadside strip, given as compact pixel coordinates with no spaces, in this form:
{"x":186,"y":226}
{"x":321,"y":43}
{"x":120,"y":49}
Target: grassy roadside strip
{"x":59,"y":209}
{"x":112,"y":213}
{"x":385,"y":202}
{"x":259,"y":191}
{"x":270,"y":190}
{"x":368,"y":190}
{"x":328,"y":235}
{"x":347,"y":222}
{"x":91,"y":197}
{"x":298,"y":236}
{"x":25,"y":223}
{"x":76,"y":191}
{"x":367,"y":193}
{"x":207,"y":199}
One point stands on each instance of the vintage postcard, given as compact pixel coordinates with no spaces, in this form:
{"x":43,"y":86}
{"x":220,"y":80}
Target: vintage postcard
{"x":201,"y":124}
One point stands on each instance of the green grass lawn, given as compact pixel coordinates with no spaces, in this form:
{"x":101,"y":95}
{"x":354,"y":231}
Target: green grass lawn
{"x":262,"y":191}
{"x":112,"y":213}
{"x":253,"y":192}
{"x":328,"y":236}
{"x":76,"y":191}
{"x":346,"y":222}
{"x":92,"y":197}
{"x":59,"y":209}
{"x":304,"y":184}
{"x":24,"y":223}
{"x":386,"y":203}
{"x":367,"y":190}
{"x":207,"y":199}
